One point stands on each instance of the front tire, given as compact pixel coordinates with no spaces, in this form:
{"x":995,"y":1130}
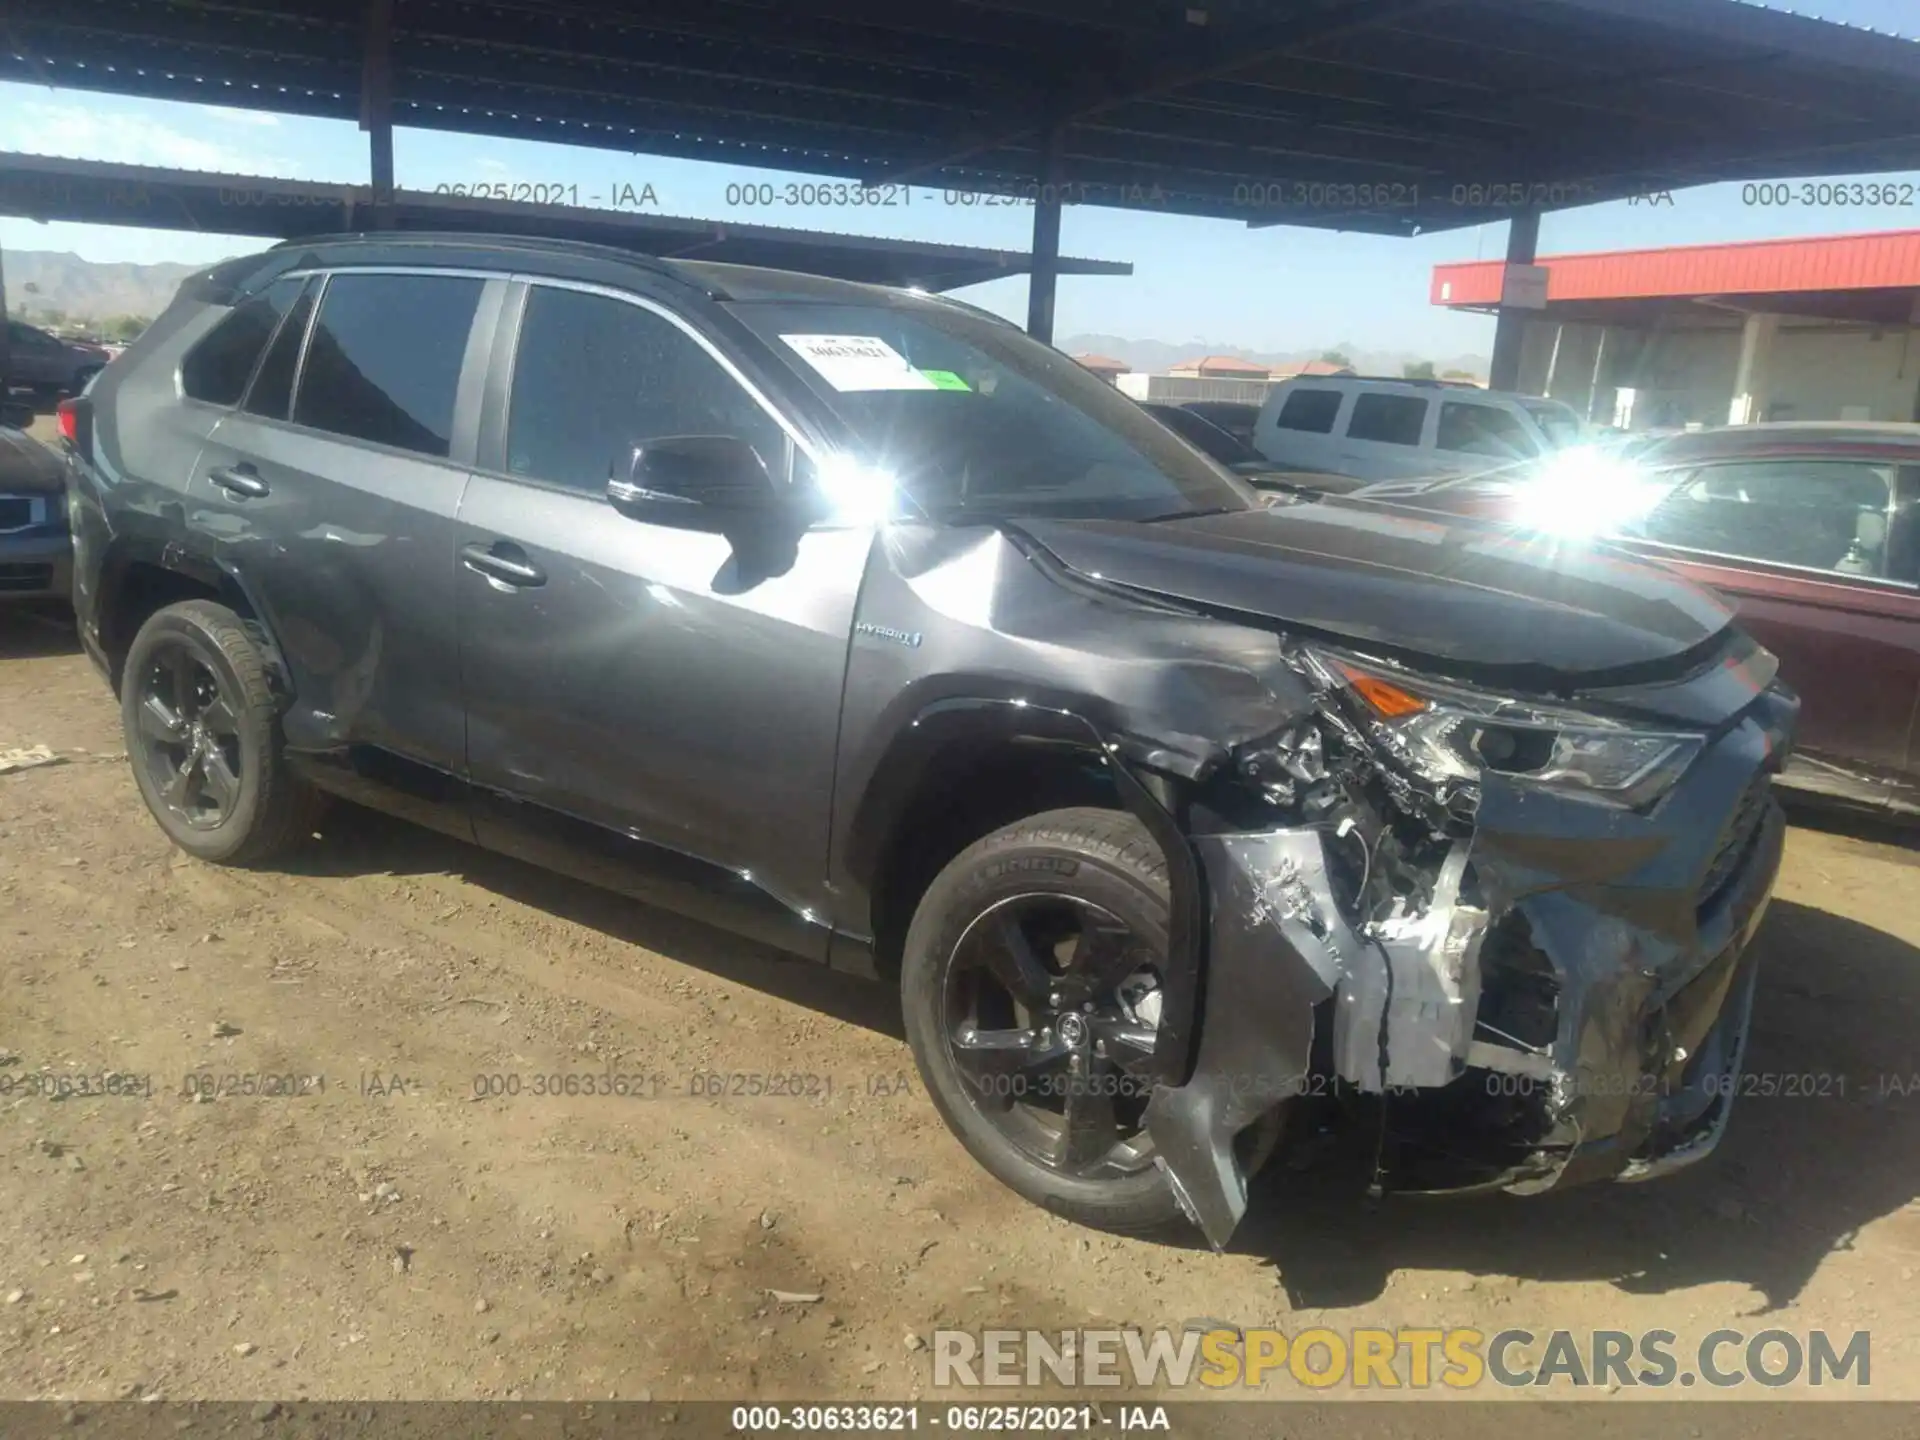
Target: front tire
{"x":1026,"y":986}
{"x":203,"y":736}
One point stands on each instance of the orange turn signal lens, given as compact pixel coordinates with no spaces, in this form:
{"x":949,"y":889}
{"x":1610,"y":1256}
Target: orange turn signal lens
{"x":1388,"y":700}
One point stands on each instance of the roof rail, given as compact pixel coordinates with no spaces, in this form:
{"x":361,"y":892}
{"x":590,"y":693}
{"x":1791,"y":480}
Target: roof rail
{"x":1407,"y":380}
{"x":502,"y":240}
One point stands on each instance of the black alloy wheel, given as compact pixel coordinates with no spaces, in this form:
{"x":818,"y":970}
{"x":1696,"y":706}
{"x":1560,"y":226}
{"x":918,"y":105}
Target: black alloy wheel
{"x":189,"y":731}
{"x":1041,"y":1020}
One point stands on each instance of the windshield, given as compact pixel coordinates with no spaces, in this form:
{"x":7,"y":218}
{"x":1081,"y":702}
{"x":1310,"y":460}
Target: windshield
{"x":971,"y":418}
{"x":1560,"y":424}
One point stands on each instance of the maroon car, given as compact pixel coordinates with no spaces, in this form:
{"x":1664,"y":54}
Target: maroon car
{"x":1812,"y":530}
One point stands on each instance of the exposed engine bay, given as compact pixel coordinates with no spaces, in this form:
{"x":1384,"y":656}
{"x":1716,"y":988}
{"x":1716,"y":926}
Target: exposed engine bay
{"x":1433,"y":997}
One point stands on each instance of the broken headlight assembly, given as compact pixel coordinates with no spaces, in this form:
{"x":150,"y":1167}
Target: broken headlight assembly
{"x":1451,"y":738}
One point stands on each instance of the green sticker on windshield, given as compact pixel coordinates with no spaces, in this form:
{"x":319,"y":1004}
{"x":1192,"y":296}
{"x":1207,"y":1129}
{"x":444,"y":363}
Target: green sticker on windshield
{"x":946,"y":380}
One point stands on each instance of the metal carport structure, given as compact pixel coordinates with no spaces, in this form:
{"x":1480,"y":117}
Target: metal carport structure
{"x":1387,"y":116}
{"x":41,"y":187}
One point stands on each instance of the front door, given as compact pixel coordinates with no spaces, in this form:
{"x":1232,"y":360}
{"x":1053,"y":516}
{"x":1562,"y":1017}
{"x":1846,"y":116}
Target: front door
{"x":644,"y":705}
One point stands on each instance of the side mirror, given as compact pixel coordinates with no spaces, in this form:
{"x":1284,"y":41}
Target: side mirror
{"x":696,"y":482}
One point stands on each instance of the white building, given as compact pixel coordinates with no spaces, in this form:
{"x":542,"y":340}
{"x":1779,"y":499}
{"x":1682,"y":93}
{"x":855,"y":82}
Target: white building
{"x":1825,"y":328}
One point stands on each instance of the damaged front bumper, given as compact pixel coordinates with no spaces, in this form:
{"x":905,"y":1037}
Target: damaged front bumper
{"x":1570,"y":1004}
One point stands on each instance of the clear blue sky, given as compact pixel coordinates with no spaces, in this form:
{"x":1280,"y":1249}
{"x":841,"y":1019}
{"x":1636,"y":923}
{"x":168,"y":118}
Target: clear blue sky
{"x":1210,"y":282}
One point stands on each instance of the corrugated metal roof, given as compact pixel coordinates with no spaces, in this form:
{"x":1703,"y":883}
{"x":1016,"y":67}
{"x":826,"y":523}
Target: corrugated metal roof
{"x":1888,"y":260}
{"x":1392,"y":116}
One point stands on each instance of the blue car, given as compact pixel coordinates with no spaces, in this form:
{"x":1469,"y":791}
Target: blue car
{"x":36,"y":551}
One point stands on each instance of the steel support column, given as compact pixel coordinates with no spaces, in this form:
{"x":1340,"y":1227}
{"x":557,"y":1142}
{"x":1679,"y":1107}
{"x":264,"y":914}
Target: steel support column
{"x":376,"y":108}
{"x":1753,"y":383}
{"x":1045,"y":274}
{"x":1523,"y":246}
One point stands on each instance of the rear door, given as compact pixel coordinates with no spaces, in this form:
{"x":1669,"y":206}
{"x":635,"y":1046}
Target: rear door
{"x":331,"y":493}
{"x":1816,"y":556}
{"x":1386,"y":437}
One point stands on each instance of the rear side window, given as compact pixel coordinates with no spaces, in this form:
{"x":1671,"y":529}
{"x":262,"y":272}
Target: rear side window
{"x":217,"y":369}
{"x":271,"y":394}
{"x":384,"y":360}
{"x":1310,"y":410}
{"x":1388,"y":419}
{"x":1483,"y":430}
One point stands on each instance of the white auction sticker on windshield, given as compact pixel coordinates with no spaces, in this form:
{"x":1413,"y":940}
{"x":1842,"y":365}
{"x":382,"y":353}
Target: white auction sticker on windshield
{"x":858,"y":362}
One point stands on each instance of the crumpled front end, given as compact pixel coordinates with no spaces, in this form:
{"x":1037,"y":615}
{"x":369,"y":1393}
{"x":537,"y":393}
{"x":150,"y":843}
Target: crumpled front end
{"x":1523,"y":989}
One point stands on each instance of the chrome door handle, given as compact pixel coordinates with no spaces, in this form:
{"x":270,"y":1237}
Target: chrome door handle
{"x":502,"y":562}
{"x":239,"y":480}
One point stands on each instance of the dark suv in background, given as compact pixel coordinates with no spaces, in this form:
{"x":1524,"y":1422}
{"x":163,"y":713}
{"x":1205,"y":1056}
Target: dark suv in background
{"x":860,"y":622}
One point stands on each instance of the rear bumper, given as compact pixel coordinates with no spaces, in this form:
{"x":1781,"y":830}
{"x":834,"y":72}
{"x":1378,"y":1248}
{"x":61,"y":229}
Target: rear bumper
{"x":36,"y":565}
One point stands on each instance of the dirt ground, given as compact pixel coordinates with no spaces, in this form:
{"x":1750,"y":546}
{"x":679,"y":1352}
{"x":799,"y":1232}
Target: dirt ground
{"x":383,"y":1233}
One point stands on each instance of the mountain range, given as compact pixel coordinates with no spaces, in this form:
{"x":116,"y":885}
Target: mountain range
{"x":44,"y":281}
{"x":1158,"y":356}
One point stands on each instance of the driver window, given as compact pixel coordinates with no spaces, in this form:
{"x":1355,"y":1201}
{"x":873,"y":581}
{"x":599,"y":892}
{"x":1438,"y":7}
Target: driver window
{"x":1469,"y":429}
{"x":1817,"y":515}
{"x":593,"y":376}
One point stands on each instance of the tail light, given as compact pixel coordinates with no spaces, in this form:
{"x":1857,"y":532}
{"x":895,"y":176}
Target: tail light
{"x":76,"y":425}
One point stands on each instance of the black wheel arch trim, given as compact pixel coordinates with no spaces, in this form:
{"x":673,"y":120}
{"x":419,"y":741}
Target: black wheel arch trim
{"x":922,"y":732}
{"x":222,"y":580}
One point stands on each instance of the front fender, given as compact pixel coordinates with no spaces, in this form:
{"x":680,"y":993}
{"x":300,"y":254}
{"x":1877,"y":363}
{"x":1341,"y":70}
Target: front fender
{"x":929,"y":734}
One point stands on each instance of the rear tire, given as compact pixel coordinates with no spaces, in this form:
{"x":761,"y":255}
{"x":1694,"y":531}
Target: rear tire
{"x":203,"y":736}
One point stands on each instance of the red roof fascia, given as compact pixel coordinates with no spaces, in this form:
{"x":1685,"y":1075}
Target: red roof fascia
{"x":1889,"y":260}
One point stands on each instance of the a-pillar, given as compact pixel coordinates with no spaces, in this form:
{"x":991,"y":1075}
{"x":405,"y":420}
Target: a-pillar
{"x":1752,"y":382}
{"x":1510,"y":332}
{"x":1044,"y":274}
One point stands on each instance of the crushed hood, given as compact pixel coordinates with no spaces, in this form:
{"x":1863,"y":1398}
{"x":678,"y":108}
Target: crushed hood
{"x":1462,"y":592}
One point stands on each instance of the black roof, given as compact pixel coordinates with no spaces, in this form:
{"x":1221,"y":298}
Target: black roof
{"x":50,"y":188}
{"x":1385,"y":115}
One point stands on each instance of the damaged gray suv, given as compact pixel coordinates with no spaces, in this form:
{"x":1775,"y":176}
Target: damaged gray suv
{"x":860,"y":623}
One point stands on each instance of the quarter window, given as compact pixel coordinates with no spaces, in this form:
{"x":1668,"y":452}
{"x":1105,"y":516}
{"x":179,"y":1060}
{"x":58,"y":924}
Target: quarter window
{"x":384,"y":361}
{"x":1388,"y":419}
{"x":1310,"y":410}
{"x":594,"y":376}
{"x":1816,"y":515}
{"x":217,"y":369}
{"x":271,"y":393}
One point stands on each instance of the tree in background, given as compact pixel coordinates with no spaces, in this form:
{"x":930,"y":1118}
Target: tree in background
{"x":1335,"y":357}
{"x":124,"y":329}
{"x":1420,"y":370}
